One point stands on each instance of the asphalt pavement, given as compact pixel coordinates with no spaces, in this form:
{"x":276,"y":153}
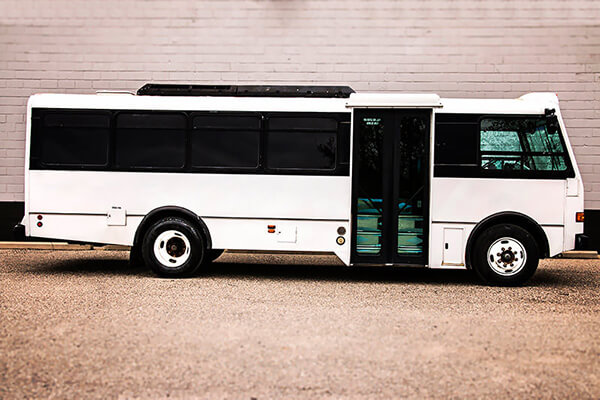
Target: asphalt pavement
{"x":84,"y":324}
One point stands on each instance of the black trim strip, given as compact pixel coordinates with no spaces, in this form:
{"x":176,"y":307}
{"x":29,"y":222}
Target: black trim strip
{"x":170,"y":89}
{"x":386,"y":265}
{"x":475,"y":223}
{"x":281,"y":219}
{"x":203,"y":216}
{"x":63,"y":213}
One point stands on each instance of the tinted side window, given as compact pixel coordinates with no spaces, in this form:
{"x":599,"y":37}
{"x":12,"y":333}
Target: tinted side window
{"x":343,"y":147}
{"x":318,"y":124}
{"x":306,"y":143}
{"x":150,"y":140}
{"x":456,"y":143}
{"x":193,"y":141}
{"x":74,"y":139}
{"x":225,"y":141}
{"x":520,"y":144}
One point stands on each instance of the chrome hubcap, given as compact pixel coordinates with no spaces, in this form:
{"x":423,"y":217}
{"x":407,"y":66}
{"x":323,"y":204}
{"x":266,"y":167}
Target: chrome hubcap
{"x":507,"y":256}
{"x":172,"y":248}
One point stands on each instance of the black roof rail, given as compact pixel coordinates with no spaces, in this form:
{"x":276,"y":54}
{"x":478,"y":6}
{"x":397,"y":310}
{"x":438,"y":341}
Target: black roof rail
{"x":168,"y":89}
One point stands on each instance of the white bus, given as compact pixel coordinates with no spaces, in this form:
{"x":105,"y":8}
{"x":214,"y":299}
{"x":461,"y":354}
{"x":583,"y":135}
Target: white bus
{"x":181,"y":172}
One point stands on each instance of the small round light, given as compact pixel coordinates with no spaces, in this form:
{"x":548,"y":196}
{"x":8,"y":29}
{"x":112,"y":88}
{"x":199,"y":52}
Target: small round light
{"x":39,"y":224}
{"x":340,"y":240}
{"x":39,"y":217}
{"x":341,"y":230}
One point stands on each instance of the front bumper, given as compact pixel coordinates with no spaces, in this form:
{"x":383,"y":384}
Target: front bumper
{"x":19,"y":232}
{"x":583,"y":242}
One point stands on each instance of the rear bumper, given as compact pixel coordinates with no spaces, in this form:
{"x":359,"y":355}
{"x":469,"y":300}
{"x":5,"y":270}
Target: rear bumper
{"x":19,"y":232}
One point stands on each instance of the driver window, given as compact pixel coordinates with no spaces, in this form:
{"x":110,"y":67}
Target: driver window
{"x":500,"y":146}
{"x":520,"y":144}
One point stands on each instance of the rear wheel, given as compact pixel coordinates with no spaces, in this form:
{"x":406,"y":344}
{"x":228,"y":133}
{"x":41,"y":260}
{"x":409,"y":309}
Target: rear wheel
{"x":172,"y":247}
{"x":506,"y":255}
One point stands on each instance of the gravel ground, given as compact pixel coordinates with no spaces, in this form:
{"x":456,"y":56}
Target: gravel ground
{"x":87,"y":325}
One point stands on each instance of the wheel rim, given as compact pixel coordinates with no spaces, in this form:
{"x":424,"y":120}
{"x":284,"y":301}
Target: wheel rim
{"x":507,"y":256}
{"x":172,"y":249}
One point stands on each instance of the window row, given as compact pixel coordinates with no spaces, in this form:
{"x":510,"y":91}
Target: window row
{"x":512,"y":146}
{"x":128,"y":140}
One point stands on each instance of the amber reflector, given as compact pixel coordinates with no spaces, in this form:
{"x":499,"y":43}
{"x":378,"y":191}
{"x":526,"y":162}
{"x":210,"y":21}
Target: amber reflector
{"x":579,"y":217}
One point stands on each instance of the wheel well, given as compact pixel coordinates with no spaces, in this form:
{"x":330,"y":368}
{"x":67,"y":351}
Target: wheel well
{"x":171,"y":211}
{"x":514,"y":218}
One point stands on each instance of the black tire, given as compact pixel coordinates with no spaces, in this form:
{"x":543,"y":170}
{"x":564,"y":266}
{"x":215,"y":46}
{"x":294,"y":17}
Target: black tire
{"x":502,"y":267}
{"x":173,"y":247}
{"x":135,"y":257}
{"x":213,"y":254}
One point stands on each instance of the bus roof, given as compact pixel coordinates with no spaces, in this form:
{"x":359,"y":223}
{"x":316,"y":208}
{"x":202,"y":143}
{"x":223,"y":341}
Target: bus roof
{"x":127,"y":101}
{"x":533,"y":103}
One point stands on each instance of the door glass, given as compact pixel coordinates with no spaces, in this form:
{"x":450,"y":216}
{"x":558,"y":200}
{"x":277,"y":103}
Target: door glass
{"x":370,"y":189}
{"x":411,"y":161}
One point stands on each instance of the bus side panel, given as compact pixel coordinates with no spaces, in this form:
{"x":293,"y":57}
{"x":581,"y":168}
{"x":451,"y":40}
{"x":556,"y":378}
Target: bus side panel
{"x":459,"y":204}
{"x":83,"y":228}
{"x":220,"y":195}
{"x":573,"y":204}
{"x":233,"y":234}
{"x":466,"y":200}
{"x":448,"y":243}
{"x":288,"y":235}
{"x":306,"y":210}
{"x":575,"y":194}
{"x":555,"y":235}
{"x":444,"y":244}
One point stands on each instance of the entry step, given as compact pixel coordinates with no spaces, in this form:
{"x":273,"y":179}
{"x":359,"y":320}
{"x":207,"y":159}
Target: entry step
{"x":580,"y":254}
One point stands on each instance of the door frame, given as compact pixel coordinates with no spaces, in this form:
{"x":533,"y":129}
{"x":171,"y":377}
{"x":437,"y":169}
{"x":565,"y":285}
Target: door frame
{"x":390,"y":190}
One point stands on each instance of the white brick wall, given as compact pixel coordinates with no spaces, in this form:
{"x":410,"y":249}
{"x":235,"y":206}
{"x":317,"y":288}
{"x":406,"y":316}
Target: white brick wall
{"x":468,"y":48}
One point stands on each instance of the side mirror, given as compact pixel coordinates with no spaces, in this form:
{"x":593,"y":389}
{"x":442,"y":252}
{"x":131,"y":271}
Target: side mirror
{"x":552,"y":124}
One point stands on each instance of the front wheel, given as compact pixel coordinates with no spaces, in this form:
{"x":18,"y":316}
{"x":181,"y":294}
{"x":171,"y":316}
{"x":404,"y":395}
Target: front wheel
{"x":173,"y":247}
{"x":506,"y":255}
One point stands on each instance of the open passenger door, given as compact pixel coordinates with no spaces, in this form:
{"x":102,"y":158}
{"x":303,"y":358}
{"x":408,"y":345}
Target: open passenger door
{"x":391,"y":179}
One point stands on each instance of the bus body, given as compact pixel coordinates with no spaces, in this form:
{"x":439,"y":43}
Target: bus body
{"x":377,"y":179}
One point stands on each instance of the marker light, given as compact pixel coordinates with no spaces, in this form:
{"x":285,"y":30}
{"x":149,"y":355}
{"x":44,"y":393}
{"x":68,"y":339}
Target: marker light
{"x":39,"y":224}
{"x":340,"y":240}
{"x":579,"y":217}
{"x":39,"y":217}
